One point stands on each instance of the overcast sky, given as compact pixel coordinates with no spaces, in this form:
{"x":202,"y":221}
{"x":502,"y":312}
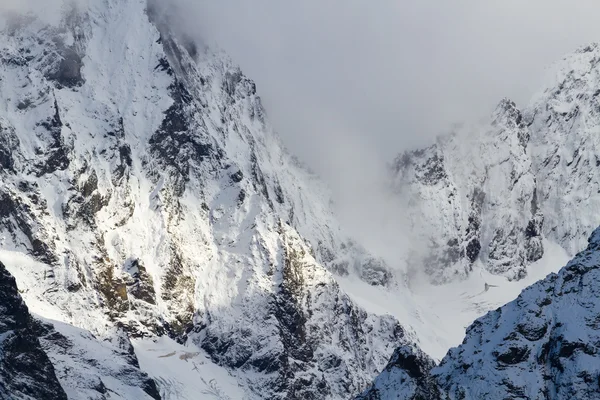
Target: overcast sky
{"x":351,"y":83}
{"x":391,"y":74}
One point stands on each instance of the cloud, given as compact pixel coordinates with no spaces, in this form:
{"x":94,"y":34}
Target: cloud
{"x":349,"y":84}
{"x":398,"y":71}
{"x":50,"y":11}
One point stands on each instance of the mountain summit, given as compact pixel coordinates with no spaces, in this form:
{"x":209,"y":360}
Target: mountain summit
{"x":493,"y":193}
{"x":143,"y":195}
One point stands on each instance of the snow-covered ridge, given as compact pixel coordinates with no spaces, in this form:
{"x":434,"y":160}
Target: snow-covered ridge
{"x":492,"y":193}
{"x":144,"y":195}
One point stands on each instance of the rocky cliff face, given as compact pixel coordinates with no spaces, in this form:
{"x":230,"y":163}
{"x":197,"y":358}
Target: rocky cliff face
{"x":543,"y":345}
{"x":407,"y":376}
{"x":492,"y":193}
{"x":25,"y":369}
{"x":563,"y":120}
{"x":146,"y":195}
{"x":312,"y":342}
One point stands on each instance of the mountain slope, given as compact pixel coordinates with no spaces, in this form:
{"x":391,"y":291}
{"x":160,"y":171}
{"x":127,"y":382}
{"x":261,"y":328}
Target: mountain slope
{"x":543,"y":345}
{"x":564,"y":121}
{"x":144,"y":194}
{"x":50,"y":360}
{"x":145,"y":201}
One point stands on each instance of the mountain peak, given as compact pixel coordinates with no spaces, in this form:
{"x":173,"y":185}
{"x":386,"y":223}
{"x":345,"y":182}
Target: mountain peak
{"x":147,"y":196}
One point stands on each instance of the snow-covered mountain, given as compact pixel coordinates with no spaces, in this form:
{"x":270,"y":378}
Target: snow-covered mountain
{"x":168,"y":246}
{"x":543,"y":345}
{"x":497,"y":205}
{"x":143,"y":194}
{"x":474,"y":196}
{"x":493,"y":192}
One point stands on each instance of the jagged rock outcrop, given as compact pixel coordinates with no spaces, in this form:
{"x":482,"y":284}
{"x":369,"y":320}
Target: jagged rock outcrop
{"x":543,"y":345}
{"x":312,"y":341}
{"x":41,"y":361}
{"x":406,"y":377}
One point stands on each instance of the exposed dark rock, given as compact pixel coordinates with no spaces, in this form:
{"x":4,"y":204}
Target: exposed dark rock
{"x":15,"y":216}
{"x":279,"y":197}
{"x":114,"y":291}
{"x":9,"y":145}
{"x":533,"y":331}
{"x":163,"y":65}
{"x":141,"y":286}
{"x":375,"y":273}
{"x":237,"y":176}
{"x":90,"y":185}
{"x":473,"y":249}
{"x":178,"y":286}
{"x":433,"y":171}
{"x":534,"y":247}
{"x":56,"y":155}
{"x":241,"y":197}
{"x":81,"y":208}
{"x":410,"y":369}
{"x":502,"y":252}
{"x":473,"y":231}
{"x":67,"y":71}
{"x":513,"y":355}
{"x":175,"y":145}
{"x":25,"y":370}
{"x":231,"y":81}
